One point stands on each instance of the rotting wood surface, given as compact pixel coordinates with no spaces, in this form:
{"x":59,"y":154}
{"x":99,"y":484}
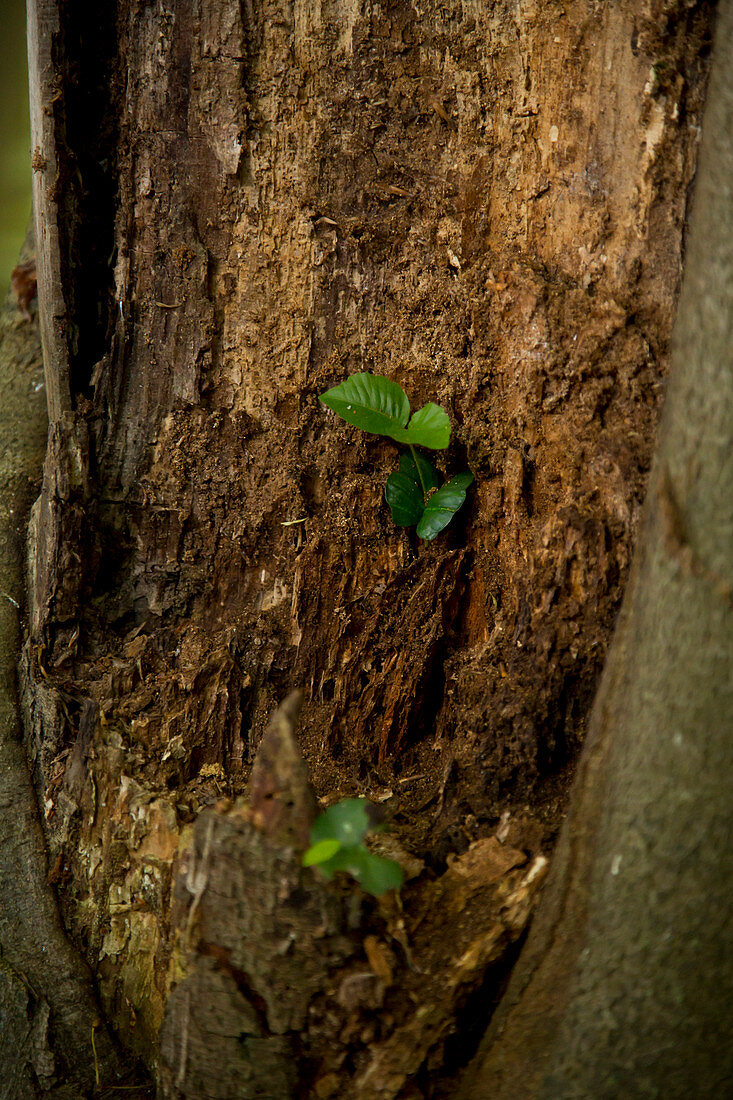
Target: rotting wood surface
{"x":487,"y":206}
{"x":282,"y":983}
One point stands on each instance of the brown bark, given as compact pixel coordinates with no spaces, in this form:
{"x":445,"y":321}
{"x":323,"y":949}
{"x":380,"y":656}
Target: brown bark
{"x":47,"y":1003}
{"x":487,"y":206}
{"x":626,"y":987}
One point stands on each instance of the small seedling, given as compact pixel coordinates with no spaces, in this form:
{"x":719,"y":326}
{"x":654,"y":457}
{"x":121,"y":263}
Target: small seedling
{"x":337,"y":844}
{"x":377,"y":405}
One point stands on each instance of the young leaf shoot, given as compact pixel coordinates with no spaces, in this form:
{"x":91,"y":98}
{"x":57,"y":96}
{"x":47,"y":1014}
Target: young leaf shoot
{"x":380,"y":406}
{"x":337,"y":844}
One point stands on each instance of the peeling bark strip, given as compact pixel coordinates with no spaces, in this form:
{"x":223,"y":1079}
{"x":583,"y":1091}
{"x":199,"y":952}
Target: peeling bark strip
{"x":485,"y":204}
{"x":44,"y":85}
{"x":47,"y":1003}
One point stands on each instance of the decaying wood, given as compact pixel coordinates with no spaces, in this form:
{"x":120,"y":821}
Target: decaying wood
{"x":241,"y":205}
{"x":547,"y":345}
{"x":281,"y":798}
{"x":278,"y":978}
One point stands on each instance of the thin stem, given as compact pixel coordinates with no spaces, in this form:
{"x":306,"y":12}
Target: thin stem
{"x":417,"y":467}
{"x":94,"y":1051}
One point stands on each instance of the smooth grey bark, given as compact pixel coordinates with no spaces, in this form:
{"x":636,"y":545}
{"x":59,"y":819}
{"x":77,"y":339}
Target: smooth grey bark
{"x":626,"y":985}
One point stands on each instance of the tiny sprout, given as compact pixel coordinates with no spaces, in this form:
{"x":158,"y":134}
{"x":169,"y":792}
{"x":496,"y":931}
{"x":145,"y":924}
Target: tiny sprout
{"x":413,"y":492}
{"x":337,"y":844}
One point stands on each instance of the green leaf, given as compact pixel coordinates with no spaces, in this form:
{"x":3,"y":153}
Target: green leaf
{"x":404,"y":489}
{"x":346,"y":821}
{"x":377,"y":875}
{"x":321,"y":852}
{"x":339,"y":861}
{"x":345,"y":859}
{"x":443,"y":505}
{"x":429,"y":427}
{"x":378,"y":405}
{"x":370,"y":402}
{"x":428,"y":473}
{"x":405,"y":499}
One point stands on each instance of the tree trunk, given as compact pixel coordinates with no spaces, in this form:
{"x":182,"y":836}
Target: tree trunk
{"x":47,"y":1001}
{"x":236,"y":207}
{"x":626,"y":987}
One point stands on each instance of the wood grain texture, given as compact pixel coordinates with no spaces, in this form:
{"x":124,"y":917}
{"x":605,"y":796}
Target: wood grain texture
{"x":45,"y":91}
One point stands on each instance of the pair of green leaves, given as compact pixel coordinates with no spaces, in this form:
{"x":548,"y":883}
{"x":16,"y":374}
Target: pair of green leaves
{"x":337,"y":844}
{"x":377,"y":405}
{"x":407,"y":489}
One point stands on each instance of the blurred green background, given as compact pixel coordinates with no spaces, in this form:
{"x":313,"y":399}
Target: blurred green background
{"x":15,"y":171}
